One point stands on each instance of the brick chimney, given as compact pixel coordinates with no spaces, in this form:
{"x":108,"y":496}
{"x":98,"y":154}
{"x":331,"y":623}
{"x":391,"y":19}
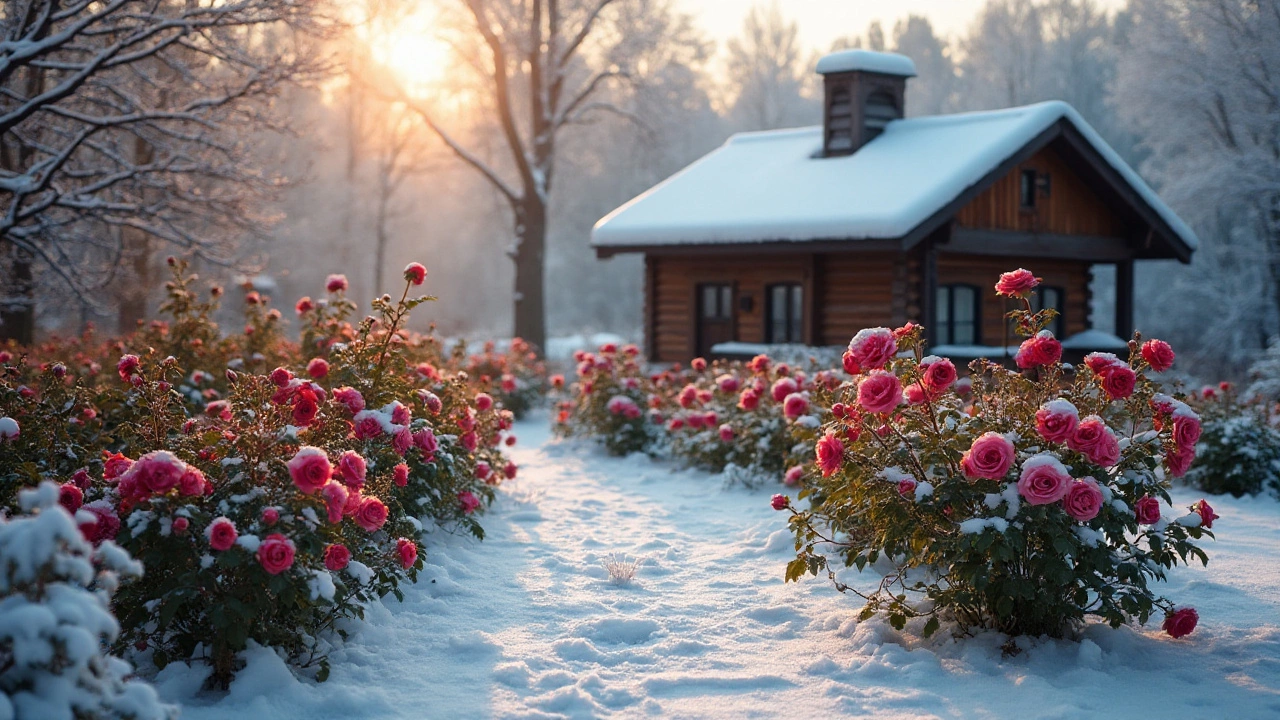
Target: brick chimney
{"x":863,"y":91}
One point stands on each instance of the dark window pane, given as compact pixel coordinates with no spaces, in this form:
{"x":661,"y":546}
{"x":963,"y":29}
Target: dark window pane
{"x":726,"y":302}
{"x":942,"y":309}
{"x":964,"y":315}
{"x":1028,"y":189}
{"x":709,"y":296}
{"x":797,"y":314}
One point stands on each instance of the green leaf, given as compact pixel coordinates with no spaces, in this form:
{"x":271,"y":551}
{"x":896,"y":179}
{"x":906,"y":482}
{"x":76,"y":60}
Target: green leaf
{"x":897,"y":621}
{"x":931,"y":627}
{"x":795,"y":569}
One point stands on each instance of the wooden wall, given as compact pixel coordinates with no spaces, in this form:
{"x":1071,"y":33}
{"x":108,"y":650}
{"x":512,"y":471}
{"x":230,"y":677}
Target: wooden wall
{"x":983,"y":271}
{"x":857,"y":291}
{"x":1070,"y":208}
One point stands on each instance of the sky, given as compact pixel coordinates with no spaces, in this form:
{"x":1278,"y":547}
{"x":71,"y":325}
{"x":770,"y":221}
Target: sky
{"x":822,"y":21}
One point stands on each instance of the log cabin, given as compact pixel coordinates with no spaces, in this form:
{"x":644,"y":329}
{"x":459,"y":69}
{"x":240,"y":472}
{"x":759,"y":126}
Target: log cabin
{"x":805,"y":236}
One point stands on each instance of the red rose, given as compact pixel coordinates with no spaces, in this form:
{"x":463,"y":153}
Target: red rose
{"x":1119,"y":382}
{"x":873,"y":348}
{"x":1186,"y":431}
{"x":830,"y":452}
{"x":1147,"y":510}
{"x":1179,"y":461}
{"x":318,"y":368}
{"x":989,"y":457}
{"x":400,"y":475}
{"x":275,"y":554}
{"x":1158,"y":354}
{"x":70,"y":497}
{"x":1083,"y":500}
{"x":1056,"y":420}
{"x":180,"y":525}
{"x":1038,"y":351}
{"x":367,"y":426}
{"x":880,"y":392}
{"x":780,"y":502}
{"x":938,"y":375}
{"x":309,"y":469}
{"x":468,"y":501}
{"x":335,"y":283}
{"x":1180,"y":622}
{"x":1207,"y":515}
{"x":415,"y":273}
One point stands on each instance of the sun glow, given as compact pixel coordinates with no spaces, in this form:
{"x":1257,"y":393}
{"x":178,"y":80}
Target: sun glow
{"x":409,"y":47}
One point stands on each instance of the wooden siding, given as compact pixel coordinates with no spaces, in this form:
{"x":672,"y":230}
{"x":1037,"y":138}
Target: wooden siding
{"x":855,"y":291}
{"x":675,"y":279}
{"x":983,"y":271}
{"x":1070,"y":208}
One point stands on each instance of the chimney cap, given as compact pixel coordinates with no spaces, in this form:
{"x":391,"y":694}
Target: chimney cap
{"x":883,"y":63}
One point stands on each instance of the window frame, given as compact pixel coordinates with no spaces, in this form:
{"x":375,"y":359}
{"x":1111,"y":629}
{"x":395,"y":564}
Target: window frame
{"x":1027,"y":201}
{"x":948,"y":326}
{"x":1059,"y":324}
{"x":795,"y":315}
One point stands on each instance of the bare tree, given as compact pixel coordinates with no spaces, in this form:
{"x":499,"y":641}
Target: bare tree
{"x":768,"y":73}
{"x":128,"y":121}
{"x":547,"y":65}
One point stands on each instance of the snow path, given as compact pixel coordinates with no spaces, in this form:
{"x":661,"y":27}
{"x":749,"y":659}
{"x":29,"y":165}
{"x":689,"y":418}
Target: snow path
{"x":526,"y":624}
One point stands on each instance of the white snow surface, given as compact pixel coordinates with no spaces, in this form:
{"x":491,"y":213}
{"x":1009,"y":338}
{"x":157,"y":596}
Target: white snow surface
{"x":772,"y":186}
{"x":527,"y":624}
{"x":884,"y":63}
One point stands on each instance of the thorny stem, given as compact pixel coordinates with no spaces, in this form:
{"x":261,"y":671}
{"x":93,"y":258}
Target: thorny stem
{"x":397,"y":316}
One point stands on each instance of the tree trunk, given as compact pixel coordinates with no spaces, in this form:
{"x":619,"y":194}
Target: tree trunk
{"x":18,"y":319}
{"x":530,"y":311}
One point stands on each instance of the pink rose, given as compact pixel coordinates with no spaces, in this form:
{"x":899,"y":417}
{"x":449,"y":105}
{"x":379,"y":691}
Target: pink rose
{"x":221,"y":534}
{"x":1083,"y":500}
{"x":1207,"y":515}
{"x":873,"y":348}
{"x":353,"y":468}
{"x":879,"y":392}
{"x":850,"y":363}
{"x":1095,"y":441}
{"x":1147,"y":510}
{"x":1017,"y":283}
{"x":795,"y":405}
{"x":275,"y":554}
{"x":830,"y":452}
{"x":938,"y":375}
{"x":1186,"y":431}
{"x":304,"y":306}
{"x":368,"y":426}
{"x":698,"y":364}
{"x":270,"y":516}
{"x":426,"y":442}
{"x":782,"y":388}
{"x":1056,"y":420}
{"x":335,"y":500}
{"x":400,"y":475}
{"x":192,"y":482}
{"x":989,"y":457}
{"x":158,"y":472}
{"x":1119,"y":382}
{"x":468,"y":501}
{"x":336,"y":557}
{"x":310,"y":469}
{"x":484,"y":401}
{"x":483,"y":470}
{"x":1038,"y":351}
{"x":914,"y":394}
{"x":371,"y":515}
{"x":792,"y":478}
{"x":180,"y":525}
{"x":468,"y":441}
{"x":1101,"y":363}
{"x":688,"y":395}
{"x":400,"y":415}
{"x":402,"y":441}
{"x":105,"y":523}
{"x":1158,"y":354}
{"x":726,"y":433}
{"x":408,"y":552}
{"x":780,"y":502}
{"x":1043,"y":480}
{"x":509,"y":470}
{"x":727,"y":384}
{"x":1180,"y":622}
{"x":749,"y":399}
{"x":318,"y":368}
{"x":906,"y":487}
{"x":351,"y":398}
{"x":335,"y":283}
{"x":1179,"y":460}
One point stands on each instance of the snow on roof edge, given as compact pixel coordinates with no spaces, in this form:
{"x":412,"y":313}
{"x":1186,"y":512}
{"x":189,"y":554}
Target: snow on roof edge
{"x":885,"y":63}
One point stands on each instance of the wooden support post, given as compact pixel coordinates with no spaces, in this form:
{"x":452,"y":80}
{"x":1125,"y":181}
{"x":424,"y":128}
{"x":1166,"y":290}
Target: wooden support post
{"x":929,"y":290}
{"x":1124,"y":299}
{"x":650,"y":308}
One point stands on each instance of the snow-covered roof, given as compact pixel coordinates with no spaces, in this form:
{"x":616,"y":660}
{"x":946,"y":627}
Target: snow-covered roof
{"x":866,"y":61}
{"x":773,"y":186}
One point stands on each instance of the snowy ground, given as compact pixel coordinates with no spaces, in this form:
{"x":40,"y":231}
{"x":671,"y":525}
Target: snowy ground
{"x":526,"y":624}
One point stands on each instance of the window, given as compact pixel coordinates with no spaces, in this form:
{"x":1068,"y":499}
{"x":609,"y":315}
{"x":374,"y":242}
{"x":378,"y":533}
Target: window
{"x":1050,"y":297}
{"x":785,"y":313}
{"x":957,"y":316}
{"x":880,"y":111}
{"x":1027,"y":190}
{"x":717,"y":302}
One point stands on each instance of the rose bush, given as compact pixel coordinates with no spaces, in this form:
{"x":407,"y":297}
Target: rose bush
{"x":270,"y":489}
{"x":1031,"y":504}
{"x":1239,"y":448}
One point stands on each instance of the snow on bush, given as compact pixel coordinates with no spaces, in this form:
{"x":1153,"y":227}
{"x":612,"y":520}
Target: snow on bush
{"x":55,"y":620}
{"x":1035,"y":503}
{"x":1239,"y":449}
{"x":271,"y":490}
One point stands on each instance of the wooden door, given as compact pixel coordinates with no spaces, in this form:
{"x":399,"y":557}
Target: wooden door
{"x":715,"y":316}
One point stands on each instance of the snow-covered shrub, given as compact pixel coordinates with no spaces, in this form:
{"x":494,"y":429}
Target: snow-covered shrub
{"x":266,"y":504}
{"x":1239,"y":447}
{"x":608,"y":401}
{"x":621,"y":568}
{"x":744,"y":419}
{"x":56,"y":623}
{"x":1038,"y":502}
{"x":1264,"y":376}
{"x":516,"y":378}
